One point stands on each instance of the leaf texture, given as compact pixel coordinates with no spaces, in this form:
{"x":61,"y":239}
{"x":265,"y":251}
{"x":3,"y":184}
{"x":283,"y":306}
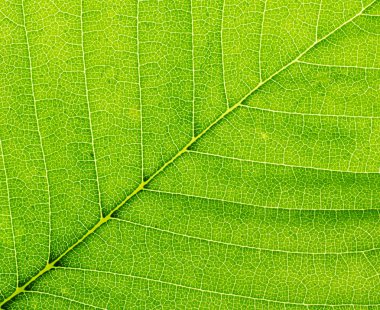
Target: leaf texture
{"x":189,"y":154}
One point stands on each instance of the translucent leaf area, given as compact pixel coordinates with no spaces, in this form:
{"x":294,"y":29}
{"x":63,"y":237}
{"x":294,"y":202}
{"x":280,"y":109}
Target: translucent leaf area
{"x":189,"y":154}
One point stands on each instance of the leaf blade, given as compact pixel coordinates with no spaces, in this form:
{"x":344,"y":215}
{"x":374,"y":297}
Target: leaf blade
{"x":205,"y":265}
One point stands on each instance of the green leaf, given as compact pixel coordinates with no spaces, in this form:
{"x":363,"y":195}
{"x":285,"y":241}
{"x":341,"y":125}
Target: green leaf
{"x":189,"y":154}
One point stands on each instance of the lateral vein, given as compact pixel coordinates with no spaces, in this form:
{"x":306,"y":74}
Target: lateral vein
{"x":204,"y":290}
{"x":37,"y":121}
{"x":10,"y":211}
{"x":89,"y":110}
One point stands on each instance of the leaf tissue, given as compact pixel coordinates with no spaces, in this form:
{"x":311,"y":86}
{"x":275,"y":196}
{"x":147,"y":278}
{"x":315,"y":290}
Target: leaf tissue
{"x":190,"y":154}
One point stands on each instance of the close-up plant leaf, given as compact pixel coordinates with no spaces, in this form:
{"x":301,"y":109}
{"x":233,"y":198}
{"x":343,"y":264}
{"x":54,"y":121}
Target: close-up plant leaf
{"x":189,"y":154}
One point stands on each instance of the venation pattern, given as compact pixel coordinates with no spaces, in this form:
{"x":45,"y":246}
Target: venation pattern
{"x":189,"y":154}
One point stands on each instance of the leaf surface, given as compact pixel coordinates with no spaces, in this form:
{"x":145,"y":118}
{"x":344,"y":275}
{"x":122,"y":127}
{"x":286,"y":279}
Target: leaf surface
{"x":189,"y":154}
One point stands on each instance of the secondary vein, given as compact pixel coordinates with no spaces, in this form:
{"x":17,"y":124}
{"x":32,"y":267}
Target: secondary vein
{"x":193,"y":67}
{"x":10,"y":210}
{"x":222,"y":56}
{"x":37,"y":121}
{"x":205,"y":290}
{"x":89,"y":109}
{"x":139,"y":87}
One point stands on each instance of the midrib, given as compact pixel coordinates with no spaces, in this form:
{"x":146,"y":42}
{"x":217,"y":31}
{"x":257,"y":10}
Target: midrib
{"x":143,"y":184}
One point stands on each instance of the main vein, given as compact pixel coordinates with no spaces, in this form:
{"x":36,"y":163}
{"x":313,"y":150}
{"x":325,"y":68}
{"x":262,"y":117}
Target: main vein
{"x":143,"y":184}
